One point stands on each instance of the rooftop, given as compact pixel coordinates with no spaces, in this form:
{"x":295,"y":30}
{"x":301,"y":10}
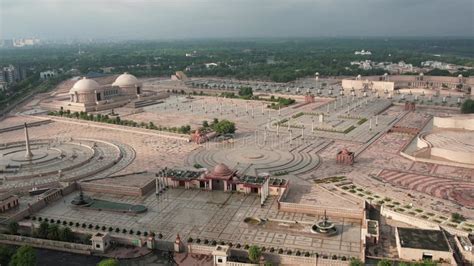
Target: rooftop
{"x":423,"y":239}
{"x":247,"y":179}
{"x":182,"y":174}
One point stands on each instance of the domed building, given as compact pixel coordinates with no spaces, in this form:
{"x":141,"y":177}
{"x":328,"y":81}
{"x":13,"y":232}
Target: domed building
{"x":84,"y":91}
{"x":128,"y":84}
{"x":88,"y":95}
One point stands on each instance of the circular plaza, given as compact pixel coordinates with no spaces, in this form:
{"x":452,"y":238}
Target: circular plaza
{"x":253,"y":159}
{"x":45,"y":162}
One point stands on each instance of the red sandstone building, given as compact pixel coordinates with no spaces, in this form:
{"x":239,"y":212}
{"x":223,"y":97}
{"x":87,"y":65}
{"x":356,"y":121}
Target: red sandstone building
{"x":224,"y":179}
{"x":345,"y":157}
{"x":309,"y":98}
{"x":409,"y":106}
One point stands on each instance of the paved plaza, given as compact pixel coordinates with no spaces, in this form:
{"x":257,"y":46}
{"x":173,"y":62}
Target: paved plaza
{"x":298,"y":143}
{"x":217,"y":216}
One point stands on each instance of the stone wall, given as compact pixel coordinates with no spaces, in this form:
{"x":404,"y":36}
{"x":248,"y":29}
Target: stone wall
{"x":45,"y":243}
{"x":281,"y":259}
{"x":41,"y":203}
{"x":110,"y":189}
{"x":459,"y":122}
{"x":348,"y":84}
{"x":426,"y":153}
{"x":417,"y":222}
{"x":331,"y":211}
{"x":200,"y":249}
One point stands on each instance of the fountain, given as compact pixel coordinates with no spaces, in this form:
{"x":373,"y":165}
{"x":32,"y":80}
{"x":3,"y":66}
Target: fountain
{"x":82,"y":200}
{"x":324,"y":226}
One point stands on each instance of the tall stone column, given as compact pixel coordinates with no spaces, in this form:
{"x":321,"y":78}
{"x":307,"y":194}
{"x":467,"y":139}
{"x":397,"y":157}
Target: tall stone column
{"x":27,"y":143}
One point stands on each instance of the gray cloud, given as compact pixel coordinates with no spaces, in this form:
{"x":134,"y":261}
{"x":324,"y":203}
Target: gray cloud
{"x":162,"y":19}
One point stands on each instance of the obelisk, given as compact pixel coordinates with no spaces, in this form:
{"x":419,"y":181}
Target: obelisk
{"x":27,"y":143}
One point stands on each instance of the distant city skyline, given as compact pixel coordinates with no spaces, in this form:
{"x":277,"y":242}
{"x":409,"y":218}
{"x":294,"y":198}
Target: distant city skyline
{"x":181,"y":19}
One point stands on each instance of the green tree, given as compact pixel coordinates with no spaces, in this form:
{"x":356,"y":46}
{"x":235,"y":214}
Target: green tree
{"x":224,"y":127}
{"x":108,"y":262}
{"x":356,"y":262}
{"x":205,"y":124}
{"x":24,"y":256}
{"x":65,"y":234}
{"x":246,"y":92}
{"x":13,"y":227}
{"x":6,"y":253}
{"x":254,"y":253}
{"x":53,"y":232}
{"x":42,"y":231}
{"x":384,"y":262}
{"x":467,"y":106}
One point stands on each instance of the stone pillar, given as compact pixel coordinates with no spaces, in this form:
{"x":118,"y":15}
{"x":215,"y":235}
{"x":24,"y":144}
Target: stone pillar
{"x":178,"y":244}
{"x":157,"y":182}
{"x":321,"y":118}
{"x":28,"y":154}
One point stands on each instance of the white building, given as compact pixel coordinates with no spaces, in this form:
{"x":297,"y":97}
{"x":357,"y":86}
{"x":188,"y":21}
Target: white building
{"x":363,"y":52}
{"x":48,"y":74}
{"x":88,"y":95}
{"x":209,"y":65}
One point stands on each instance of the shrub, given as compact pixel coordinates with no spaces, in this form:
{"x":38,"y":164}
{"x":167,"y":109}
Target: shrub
{"x":457,"y":218}
{"x":13,"y":227}
{"x":254,"y":253}
{"x":467,"y":106}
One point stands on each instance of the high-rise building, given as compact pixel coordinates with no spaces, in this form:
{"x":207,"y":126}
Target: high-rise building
{"x":12,"y":74}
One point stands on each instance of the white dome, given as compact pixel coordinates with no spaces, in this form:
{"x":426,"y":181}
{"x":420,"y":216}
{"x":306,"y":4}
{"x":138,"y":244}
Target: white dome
{"x":125,"y":80}
{"x":85,"y":85}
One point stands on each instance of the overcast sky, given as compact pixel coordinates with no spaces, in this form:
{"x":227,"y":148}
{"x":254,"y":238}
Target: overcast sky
{"x":171,"y":19}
